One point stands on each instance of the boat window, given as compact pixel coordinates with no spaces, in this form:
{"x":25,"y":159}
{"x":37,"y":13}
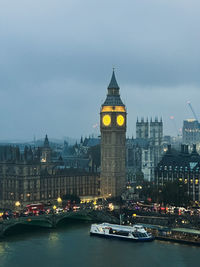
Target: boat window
{"x":118,"y":232}
{"x":137,"y":234}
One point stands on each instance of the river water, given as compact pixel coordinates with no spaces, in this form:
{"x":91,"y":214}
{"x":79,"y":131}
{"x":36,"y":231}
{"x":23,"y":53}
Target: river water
{"x":71,"y":245}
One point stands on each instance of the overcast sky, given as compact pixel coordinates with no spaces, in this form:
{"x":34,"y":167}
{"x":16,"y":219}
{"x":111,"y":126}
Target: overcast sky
{"x":56,"y":60}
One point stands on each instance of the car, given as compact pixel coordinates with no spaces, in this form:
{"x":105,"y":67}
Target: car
{"x":59,"y":210}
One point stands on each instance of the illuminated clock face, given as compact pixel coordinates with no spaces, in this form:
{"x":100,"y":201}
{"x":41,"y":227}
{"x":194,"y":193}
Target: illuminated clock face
{"x":106,"y":120}
{"x":120,"y":120}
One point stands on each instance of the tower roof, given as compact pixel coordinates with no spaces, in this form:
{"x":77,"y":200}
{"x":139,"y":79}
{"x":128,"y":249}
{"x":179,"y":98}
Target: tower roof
{"x":113,"y":96}
{"x":113,"y":83}
{"x":46,"y":141}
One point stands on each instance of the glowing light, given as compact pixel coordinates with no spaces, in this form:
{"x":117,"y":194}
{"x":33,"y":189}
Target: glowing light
{"x":113,"y":109}
{"x":111,"y":207}
{"x":191,"y":120}
{"x":59,"y":199}
{"x":17,"y":204}
{"x":139,"y":187}
{"x":120,"y":120}
{"x":54,"y":207}
{"x":106,"y":120}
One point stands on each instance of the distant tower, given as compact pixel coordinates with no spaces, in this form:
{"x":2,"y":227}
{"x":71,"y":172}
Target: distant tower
{"x":156,"y":137}
{"x":142,"y":129}
{"x":156,"y":132}
{"x":113,"y":142}
{"x":46,"y":151}
{"x":151,"y":154}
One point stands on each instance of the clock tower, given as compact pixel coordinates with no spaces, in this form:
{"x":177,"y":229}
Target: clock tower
{"x":113,"y":142}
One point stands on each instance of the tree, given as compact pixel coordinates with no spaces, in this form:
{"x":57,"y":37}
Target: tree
{"x":175,"y":193}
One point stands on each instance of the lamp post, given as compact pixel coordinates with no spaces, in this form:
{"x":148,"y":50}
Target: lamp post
{"x":59,"y":200}
{"x":54,"y":208}
{"x":17,"y":205}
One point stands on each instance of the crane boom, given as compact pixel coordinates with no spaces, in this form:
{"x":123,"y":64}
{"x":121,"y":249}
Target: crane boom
{"x":193,"y":112}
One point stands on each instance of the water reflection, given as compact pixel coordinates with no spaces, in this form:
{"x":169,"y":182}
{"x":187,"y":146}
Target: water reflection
{"x":53,"y":238}
{"x":72,"y":246}
{"x":4,"y":248}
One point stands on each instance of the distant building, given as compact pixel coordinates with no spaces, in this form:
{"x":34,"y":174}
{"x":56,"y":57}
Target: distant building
{"x":191,"y":132}
{"x":149,"y":138}
{"x":142,"y":129}
{"x":180,"y":166}
{"x":32,"y":176}
{"x":134,"y":149}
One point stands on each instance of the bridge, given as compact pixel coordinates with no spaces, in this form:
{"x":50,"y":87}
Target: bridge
{"x":52,"y":220}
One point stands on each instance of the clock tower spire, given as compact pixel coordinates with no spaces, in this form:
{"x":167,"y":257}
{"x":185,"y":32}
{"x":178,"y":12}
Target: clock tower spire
{"x":113,"y":142}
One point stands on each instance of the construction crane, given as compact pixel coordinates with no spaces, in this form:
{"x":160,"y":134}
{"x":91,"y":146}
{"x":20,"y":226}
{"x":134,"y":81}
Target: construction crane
{"x":174,"y":123}
{"x":190,"y":105}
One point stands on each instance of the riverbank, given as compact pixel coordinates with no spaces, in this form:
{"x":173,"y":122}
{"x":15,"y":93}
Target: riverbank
{"x":178,"y":235}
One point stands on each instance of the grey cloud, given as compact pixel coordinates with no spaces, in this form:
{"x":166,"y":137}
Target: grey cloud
{"x":57,"y":58}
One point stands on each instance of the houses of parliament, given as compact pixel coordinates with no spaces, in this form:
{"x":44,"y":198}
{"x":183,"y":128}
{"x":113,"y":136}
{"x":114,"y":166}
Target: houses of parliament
{"x":32,"y":176}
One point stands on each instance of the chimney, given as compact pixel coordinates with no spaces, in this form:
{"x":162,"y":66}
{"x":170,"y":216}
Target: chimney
{"x":169,"y":149}
{"x":186,"y":149}
{"x":194,"y":149}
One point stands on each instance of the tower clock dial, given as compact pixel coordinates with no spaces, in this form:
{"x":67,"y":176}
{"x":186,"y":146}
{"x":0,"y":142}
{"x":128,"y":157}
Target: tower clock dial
{"x":120,"y":120}
{"x":106,"y":120}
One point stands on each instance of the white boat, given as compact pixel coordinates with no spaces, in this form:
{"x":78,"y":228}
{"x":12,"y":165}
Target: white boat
{"x":132,"y":233}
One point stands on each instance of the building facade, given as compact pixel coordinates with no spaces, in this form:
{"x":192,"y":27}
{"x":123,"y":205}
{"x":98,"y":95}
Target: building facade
{"x":32,"y":176}
{"x":191,"y":132}
{"x":180,"y":166}
{"x":150,"y":138}
{"x":113,"y":142}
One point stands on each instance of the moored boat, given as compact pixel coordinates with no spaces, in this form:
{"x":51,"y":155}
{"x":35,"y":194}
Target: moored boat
{"x":132,"y":233}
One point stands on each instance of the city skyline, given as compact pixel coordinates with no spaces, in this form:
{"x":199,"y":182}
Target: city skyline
{"x":55,"y":68}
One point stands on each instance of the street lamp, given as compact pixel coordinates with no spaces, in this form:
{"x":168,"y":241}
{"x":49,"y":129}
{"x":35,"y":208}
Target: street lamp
{"x":54,"y":208}
{"x":59,"y":200}
{"x":17,"y":205}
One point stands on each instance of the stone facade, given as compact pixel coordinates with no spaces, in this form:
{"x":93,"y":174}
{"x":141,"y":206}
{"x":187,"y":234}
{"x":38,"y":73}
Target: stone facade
{"x":113,"y":143}
{"x":191,"y":132}
{"x":180,"y":166}
{"x":152,"y":153}
{"x":32,"y":177}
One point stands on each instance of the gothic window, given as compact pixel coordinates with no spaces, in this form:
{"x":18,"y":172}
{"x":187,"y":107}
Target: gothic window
{"x":146,"y":155}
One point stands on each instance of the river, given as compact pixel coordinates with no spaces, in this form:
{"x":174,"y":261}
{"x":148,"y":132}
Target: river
{"x":71,"y":245}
